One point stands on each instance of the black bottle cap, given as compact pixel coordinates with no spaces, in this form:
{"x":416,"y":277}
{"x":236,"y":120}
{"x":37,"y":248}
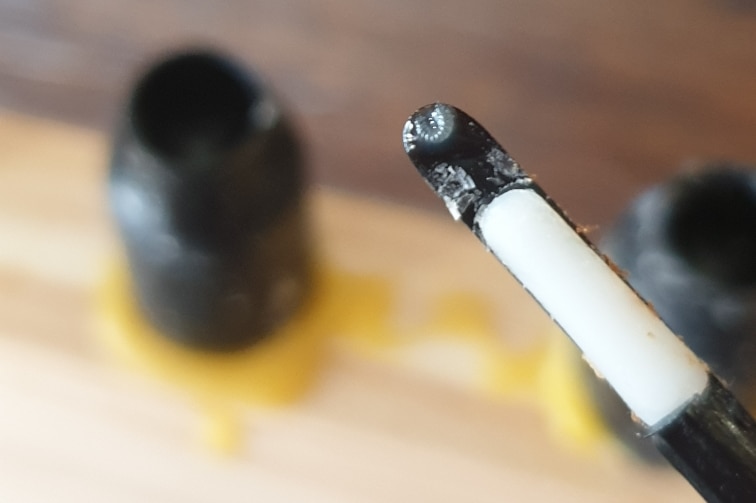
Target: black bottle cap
{"x":688,"y":246}
{"x":206,"y":182}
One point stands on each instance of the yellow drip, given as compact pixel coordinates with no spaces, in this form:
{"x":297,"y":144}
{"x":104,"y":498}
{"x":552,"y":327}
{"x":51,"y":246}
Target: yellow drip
{"x":221,"y":428}
{"x":547,"y":376}
{"x":281,"y":368}
{"x":564,"y":398}
{"x":275,"y":371}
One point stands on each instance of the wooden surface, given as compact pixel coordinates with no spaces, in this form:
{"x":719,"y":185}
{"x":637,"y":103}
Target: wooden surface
{"x":74,"y":426}
{"x":599,"y":99}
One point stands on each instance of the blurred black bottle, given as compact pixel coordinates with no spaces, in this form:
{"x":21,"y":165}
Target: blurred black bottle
{"x":688,"y":247}
{"x":206,"y":183}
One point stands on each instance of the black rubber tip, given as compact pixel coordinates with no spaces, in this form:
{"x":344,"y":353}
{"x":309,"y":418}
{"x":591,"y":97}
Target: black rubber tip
{"x":459,"y":159}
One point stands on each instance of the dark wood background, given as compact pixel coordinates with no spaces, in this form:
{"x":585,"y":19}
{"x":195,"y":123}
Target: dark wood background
{"x":598,"y":99}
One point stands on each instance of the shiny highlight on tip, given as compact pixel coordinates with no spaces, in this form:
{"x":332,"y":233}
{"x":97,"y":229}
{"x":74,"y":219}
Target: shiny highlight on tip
{"x":431,"y":124}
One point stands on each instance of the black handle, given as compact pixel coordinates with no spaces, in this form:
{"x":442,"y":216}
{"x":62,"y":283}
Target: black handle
{"x":712,"y":442}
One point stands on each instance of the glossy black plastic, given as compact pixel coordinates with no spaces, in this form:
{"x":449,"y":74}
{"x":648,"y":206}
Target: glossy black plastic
{"x":206,"y":183}
{"x":712,"y":443}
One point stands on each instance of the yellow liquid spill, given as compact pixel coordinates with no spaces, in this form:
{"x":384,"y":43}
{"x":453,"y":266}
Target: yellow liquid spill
{"x":547,"y":376}
{"x":359,"y":310}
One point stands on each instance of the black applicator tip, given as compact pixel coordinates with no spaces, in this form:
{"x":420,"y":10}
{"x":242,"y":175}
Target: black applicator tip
{"x":459,"y":159}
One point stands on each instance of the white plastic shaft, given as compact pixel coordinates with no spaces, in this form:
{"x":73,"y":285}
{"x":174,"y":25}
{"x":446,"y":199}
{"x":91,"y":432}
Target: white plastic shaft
{"x":622,"y":339}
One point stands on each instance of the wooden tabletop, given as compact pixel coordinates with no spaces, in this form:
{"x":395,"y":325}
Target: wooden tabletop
{"x":75,"y":425}
{"x":599,"y":99}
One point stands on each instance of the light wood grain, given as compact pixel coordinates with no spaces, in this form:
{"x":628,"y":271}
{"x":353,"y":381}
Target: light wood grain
{"x":76,"y":427}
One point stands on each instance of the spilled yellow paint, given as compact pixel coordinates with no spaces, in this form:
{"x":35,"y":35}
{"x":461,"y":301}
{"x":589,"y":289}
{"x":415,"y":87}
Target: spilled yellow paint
{"x":281,"y":368}
{"x":276,"y":371}
{"x":547,"y":376}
